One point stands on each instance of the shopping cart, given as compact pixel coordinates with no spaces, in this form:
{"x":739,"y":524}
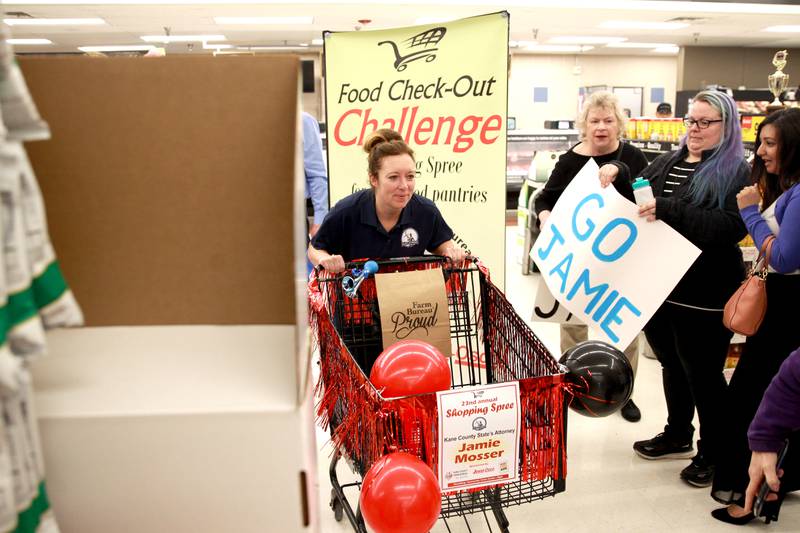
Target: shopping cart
{"x":492,"y":344}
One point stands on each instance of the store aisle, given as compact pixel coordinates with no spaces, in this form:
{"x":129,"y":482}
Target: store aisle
{"x":609,"y":488}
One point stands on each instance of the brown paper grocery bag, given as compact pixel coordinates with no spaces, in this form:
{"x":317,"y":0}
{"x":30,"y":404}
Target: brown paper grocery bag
{"x":413,"y":305}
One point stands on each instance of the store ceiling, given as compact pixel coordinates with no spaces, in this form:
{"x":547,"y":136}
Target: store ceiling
{"x":128,"y":20}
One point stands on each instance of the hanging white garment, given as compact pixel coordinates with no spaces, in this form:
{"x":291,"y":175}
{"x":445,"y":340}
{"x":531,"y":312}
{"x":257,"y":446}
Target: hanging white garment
{"x":20,"y":115}
{"x":55,"y":301}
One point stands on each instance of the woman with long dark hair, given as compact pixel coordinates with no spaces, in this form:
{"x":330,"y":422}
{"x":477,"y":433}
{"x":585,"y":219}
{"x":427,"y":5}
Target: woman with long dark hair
{"x":776,"y":174}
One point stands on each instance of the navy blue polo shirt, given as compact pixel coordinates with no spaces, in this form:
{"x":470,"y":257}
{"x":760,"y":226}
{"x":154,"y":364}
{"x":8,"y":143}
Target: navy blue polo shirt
{"x":351,"y":229}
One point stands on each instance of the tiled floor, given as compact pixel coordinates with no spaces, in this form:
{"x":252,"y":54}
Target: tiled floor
{"x":609,"y":488}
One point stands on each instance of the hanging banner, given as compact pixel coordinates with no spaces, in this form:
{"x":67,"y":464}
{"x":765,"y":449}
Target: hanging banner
{"x":444,"y":88}
{"x":478,"y":436}
{"x":608,"y":266}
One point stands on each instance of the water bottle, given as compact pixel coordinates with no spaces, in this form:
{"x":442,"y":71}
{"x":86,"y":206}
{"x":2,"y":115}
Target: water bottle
{"x":642,"y":191}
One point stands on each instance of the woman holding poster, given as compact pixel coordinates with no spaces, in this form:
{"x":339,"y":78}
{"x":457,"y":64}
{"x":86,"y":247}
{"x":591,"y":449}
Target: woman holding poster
{"x":695,"y":193}
{"x":776,"y":174}
{"x":601,"y":123}
{"x":387,"y":220}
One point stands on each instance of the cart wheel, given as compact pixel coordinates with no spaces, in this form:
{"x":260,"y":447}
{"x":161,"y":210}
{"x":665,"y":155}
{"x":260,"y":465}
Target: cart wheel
{"x":336,"y":505}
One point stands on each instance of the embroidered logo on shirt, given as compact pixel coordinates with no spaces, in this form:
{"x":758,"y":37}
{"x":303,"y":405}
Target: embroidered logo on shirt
{"x":410,"y":238}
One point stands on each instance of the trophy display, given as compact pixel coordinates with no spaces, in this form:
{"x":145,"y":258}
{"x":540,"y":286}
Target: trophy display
{"x":778,"y":80}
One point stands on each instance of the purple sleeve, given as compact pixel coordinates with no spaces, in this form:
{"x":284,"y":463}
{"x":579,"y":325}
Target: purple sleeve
{"x":779,"y":412}
{"x":786,"y":247}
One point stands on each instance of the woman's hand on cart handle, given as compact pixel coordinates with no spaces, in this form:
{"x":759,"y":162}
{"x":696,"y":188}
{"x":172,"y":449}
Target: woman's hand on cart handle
{"x":332,"y":263}
{"x":455,"y":254}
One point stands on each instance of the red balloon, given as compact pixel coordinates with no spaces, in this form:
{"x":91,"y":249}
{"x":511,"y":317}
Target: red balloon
{"x":400,"y":494}
{"x":410,"y":367}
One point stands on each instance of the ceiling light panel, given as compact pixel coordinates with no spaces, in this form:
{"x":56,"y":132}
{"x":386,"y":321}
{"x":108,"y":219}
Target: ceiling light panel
{"x":212,"y":46}
{"x":55,"y":22}
{"x":26,"y":42}
{"x":641,"y":45}
{"x":783,"y":29}
{"x":181,"y":38}
{"x":278,"y":48}
{"x":557,"y":48}
{"x":117,"y":48}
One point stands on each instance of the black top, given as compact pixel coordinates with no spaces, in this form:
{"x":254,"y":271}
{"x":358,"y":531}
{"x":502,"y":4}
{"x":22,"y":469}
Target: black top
{"x":716,"y":230}
{"x":570,"y":163}
{"x":351,"y":229}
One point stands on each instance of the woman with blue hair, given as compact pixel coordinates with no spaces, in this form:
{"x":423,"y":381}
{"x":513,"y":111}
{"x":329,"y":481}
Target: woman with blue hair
{"x":695,"y":191}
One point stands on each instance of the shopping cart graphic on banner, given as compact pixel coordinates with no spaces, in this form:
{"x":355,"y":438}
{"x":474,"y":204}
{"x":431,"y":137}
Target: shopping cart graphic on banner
{"x":417,"y":47}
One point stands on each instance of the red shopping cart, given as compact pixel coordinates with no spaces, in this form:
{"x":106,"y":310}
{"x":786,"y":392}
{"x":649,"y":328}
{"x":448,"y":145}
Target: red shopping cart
{"x":492,"y":344}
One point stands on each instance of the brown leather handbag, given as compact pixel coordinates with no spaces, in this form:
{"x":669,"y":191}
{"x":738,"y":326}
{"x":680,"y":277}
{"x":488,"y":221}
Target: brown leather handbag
{"x":745,"y":310}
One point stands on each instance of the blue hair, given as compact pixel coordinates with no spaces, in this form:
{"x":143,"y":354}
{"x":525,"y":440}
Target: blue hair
{"x":715,"y":177}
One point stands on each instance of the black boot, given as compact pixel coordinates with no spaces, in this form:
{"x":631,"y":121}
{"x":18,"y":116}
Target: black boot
{"x":630,"y":412}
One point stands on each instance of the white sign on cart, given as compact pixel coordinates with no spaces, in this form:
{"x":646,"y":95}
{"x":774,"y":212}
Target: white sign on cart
{"x":608,"y":266}
{"x":478,"y":436}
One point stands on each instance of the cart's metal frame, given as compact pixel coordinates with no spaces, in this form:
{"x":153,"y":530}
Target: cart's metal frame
{"x":464,"y":324}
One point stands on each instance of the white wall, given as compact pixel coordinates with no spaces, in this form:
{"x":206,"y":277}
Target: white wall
{"x":556,"y":73}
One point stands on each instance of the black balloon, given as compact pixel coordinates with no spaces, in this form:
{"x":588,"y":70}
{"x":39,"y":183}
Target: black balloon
{"x":601,"y":378}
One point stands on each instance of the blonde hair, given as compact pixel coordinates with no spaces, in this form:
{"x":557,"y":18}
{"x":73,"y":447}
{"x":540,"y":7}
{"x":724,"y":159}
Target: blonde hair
{"x":607,"y":102}
{"x":382,"y":143}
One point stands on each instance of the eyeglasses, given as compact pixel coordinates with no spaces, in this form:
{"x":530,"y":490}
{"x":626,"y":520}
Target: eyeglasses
{"x":703,"y":123}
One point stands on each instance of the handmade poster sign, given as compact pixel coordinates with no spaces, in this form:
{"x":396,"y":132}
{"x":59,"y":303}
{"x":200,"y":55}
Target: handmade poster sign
{"x":608,"y":266}
{"x":547,"y":309}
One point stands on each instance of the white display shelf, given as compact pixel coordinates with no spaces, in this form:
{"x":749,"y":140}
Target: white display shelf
{"x":149,"y":370}
{"x":176,"y":429}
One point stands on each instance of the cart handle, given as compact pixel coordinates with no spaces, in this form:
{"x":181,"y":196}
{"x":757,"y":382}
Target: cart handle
{"x":406,"y":260}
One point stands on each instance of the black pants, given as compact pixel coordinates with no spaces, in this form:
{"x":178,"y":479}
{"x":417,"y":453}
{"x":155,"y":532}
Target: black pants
{"x":691,"y":345}
{"x":763,"y":354}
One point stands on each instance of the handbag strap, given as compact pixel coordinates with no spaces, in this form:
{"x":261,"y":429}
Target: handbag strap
{"x":619,"y":150}
{"x":764,"y":253}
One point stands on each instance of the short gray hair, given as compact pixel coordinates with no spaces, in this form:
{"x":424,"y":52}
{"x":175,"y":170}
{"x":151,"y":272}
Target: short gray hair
{"x":601,"y":100}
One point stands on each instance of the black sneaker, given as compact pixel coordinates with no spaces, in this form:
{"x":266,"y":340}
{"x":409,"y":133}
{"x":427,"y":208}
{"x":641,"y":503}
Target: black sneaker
{"x":663,"y":447}
{"x":699,"y":473}
{"x":630,"y":412}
